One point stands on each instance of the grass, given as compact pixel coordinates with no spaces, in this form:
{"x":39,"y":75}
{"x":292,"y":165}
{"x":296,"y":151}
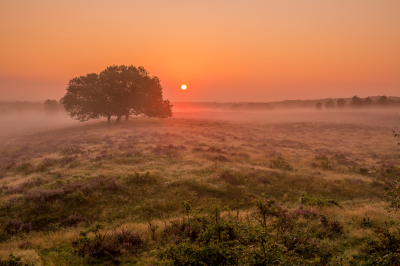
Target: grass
{"x":59,"y":182}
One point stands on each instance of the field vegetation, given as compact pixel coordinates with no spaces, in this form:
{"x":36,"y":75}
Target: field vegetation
{"x":196,"y":191}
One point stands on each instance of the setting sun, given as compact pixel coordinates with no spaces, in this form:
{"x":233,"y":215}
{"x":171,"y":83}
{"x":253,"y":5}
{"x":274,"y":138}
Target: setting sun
{"x":183,"y":87}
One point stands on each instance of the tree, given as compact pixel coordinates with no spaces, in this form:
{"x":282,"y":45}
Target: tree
{"x":318,"y":106}
{"x":329,"y":104}
{"x":368,"y":101}
{"x":383,"y":101}
{"x":340,"y":103}
{"x":356,"y":101}
{"x":116,"y":91}
{"x":51,"y":106}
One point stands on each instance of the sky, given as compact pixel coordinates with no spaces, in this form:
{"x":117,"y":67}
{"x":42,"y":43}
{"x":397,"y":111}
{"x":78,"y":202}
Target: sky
{"x":224,"y":51}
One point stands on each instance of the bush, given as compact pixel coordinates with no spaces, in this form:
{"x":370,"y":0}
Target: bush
{"x":321,"y":202}
{"x":281,"y":163}
{"x":384,"y":249}
{"x":103,"y":246}
{"x":220,"y":158}
{"x":12,"y":261}
{"x":26,"y":168}
{"x":270,"y":236}
{"x":326,"y":165}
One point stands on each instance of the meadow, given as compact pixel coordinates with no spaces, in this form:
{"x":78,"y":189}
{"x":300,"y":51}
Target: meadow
{"x":140,"y":193}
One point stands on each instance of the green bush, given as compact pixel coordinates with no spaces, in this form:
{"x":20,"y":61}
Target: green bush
{"x":312,"y":201}
{"x":271,"y":235}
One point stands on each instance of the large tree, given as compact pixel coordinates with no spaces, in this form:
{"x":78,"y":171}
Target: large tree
{"x":116,"y":91}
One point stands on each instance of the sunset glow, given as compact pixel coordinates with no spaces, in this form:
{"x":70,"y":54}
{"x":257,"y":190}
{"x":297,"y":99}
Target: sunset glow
{"x":259,"y":51}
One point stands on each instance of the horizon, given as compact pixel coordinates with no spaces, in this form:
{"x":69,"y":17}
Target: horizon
{"x":224,"y":51}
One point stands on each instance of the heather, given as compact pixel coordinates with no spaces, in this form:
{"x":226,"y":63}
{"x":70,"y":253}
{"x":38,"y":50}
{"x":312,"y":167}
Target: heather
{"x":200,"y":192}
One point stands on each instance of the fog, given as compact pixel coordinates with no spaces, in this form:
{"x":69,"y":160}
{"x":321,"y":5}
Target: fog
{"x":12,"y":124}
{"x":29,"y":122}
{"x":387,"y":117}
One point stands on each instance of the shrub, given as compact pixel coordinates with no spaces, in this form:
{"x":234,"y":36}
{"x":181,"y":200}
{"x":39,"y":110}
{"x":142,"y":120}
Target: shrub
{"x":232,"y":178}
{"x":384,"y":249}
{"x":306,"y":213}
{"x":214,"y":149}
{"x":24,"y":185}
{"x":41,"y":168}
{"x":281,"y":163}
{"x":72,"y":220}
{"x":13,"y":226}
{"x":333,"y":227}
{"x":272,"y":237}
{"x":26,"y":168}
{"x":24,"y":245}
{"x":12,"y":261}
{"x":326,"y":165}
{"x":363,"y":171}
{"x":103,"y":246}
{"x":141,"y":179}
{"x":321,"y":157}
{"x":70,"y":151}
{"x":312,"y":201}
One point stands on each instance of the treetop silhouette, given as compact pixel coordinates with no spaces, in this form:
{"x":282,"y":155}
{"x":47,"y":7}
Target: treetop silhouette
{"x":116,"y":91}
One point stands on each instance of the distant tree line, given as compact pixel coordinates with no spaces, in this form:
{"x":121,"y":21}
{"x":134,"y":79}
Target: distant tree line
{"x":252,"y":106}
{"x":357,"y":102}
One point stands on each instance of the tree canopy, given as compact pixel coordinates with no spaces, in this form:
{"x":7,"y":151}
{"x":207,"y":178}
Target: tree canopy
{"x":116,"y":91}
{"x":51,"y":106}
{"x":330,"y":104}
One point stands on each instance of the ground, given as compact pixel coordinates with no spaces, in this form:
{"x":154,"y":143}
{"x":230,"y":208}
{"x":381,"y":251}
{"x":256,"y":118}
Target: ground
{"x":55,"y":182}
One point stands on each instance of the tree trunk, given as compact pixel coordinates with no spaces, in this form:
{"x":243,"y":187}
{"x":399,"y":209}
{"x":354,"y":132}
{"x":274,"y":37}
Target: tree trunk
{"x":126,"y":117}
{"x":109,"y":119}
{"x":118,"y":121}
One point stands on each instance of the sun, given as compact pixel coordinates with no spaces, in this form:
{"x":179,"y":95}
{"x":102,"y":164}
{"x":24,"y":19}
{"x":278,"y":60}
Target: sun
{"x":183,"y":87}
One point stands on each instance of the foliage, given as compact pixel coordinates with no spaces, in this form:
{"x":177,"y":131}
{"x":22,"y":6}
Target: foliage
{"x":383,"y":250}
{"x":393,"y":189}
{"x":270,"y":236}
{"x":116,"y":91}
{"x":329,"y":104}
{"x":106,"y":246}
{"x":252,"y":106}
{"x":51,"y":106}
{"x":326,"y":165}
{"x":312,"y":201}
{"x":340,"y":102}
{"x":12,"y":261}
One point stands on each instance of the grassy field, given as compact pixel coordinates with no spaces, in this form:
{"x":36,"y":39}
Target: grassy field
{"x":128,"y":182}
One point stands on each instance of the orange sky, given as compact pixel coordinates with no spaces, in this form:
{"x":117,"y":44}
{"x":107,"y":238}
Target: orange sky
{"x":231,"y":50}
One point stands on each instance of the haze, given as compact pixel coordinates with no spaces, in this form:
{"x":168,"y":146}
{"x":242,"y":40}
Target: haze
{"x":223,"y":50}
